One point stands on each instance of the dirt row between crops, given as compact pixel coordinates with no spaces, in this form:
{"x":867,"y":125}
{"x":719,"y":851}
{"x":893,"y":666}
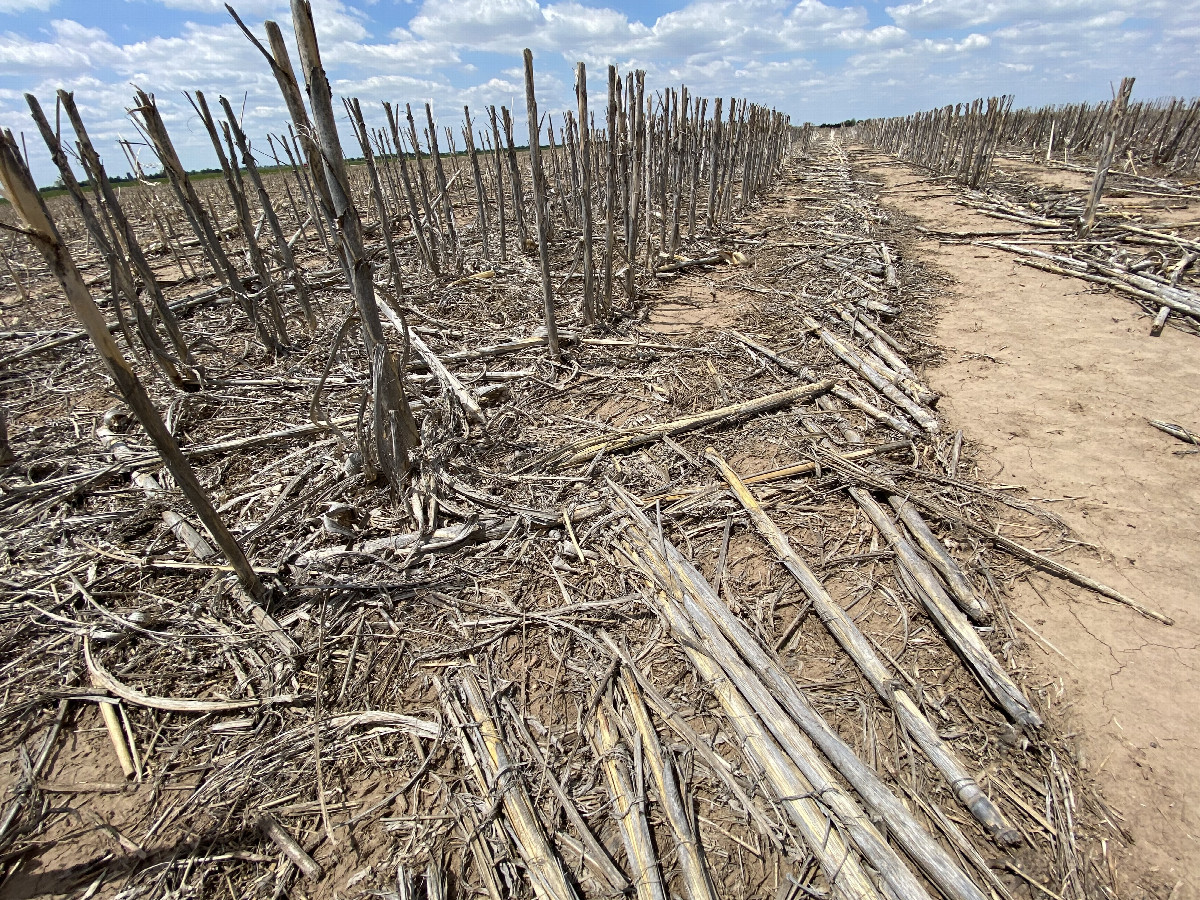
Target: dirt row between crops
{"x":1055,"y":382}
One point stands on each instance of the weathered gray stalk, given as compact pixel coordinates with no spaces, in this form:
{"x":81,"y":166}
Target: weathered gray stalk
{"x":540,"y":209}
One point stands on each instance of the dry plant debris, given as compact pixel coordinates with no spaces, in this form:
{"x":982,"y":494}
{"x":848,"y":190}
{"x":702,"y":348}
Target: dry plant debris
{"x":556,"y":636}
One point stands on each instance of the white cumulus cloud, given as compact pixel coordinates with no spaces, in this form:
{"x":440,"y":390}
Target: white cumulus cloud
{"x":16,"y":6}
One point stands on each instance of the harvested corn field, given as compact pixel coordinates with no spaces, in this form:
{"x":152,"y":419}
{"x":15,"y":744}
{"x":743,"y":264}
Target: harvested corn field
{"x":571,"y":517}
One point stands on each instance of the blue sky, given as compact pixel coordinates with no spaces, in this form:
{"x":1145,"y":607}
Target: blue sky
{"x":818,"y":61}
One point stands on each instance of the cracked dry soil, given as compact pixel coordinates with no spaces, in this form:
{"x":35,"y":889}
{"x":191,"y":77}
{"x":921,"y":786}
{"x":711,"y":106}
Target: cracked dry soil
{"x":1055,"y":382}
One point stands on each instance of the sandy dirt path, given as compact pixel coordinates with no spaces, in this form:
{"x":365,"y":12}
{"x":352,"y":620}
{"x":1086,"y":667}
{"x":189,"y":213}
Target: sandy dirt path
{"x":1054,"y":383}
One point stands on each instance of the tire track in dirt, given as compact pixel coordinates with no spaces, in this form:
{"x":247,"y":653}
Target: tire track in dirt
{"x":1055,"y":383}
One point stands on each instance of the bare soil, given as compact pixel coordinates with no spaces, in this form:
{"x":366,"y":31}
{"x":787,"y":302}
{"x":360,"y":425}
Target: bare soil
{"x":693,"y":305}
{"x":1054,"y":382}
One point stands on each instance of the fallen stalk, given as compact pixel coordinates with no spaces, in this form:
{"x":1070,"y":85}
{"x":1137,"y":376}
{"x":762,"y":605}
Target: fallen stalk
{"x":588,"y":448}
{"x":847,"y":634}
